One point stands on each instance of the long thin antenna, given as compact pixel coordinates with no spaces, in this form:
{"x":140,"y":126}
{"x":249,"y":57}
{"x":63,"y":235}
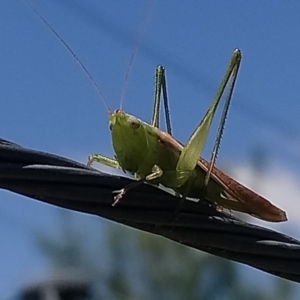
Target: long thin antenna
{"x":136,"y":47}
{"x":73,"y":54}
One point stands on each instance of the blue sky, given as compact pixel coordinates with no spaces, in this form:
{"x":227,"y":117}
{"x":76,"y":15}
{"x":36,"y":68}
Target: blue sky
{"x":48,"y":103}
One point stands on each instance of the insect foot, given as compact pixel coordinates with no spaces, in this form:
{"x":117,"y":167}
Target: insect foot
{"x":118,"y":197}
{"x":90,"y":161}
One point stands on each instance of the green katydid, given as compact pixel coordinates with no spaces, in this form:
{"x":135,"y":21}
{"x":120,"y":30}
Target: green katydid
{"x":156,"y":157}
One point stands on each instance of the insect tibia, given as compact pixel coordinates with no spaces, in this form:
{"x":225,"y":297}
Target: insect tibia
{"x":161,"y":86}
{"x":230,"y":76}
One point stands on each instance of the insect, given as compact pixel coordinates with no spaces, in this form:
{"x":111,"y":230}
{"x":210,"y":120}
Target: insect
{"x":156,"y":157}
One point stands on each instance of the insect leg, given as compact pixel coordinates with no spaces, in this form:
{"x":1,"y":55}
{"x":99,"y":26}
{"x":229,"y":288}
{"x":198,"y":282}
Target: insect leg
{"x":166,"y":104}
{"x":193,"y":148}
{"x":123,"y":191}
{"x":160,"y":85}
{"x":157,"y":93}
{"x":156,"y":173}
{"x":222,"y":124}
{"x":110,"y":162}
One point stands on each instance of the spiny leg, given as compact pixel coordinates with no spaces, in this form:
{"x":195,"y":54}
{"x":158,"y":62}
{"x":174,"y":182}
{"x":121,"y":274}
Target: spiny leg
{"x":123,"y":191}
{"x":166,"y":104}
{"x":160,"y":85}
{"x":110,"y":162}
{"x":157,"y":93}
{"x":193,"y":148}
{"x":215,"y":150}
{"x":156,"y":173}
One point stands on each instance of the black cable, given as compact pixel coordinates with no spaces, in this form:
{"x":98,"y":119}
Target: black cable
{"x":66,"y":183}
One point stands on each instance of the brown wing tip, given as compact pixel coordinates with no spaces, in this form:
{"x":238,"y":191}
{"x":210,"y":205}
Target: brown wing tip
{"x":253,"y":203}
{"x":273,"y":214}
{"x":281,"y":216}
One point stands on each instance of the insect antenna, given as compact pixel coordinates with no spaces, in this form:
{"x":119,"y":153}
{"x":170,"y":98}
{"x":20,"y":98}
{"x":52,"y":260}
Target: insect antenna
{"x":87,"y":73}
{"x":135,"y":50}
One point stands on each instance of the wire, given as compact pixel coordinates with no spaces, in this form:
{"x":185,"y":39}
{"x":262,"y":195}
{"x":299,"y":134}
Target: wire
{"x":190,"y":73}
{"x":66,"y":183}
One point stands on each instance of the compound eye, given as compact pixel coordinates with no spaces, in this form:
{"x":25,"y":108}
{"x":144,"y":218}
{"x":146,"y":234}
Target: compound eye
{"x":134,"y":122}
